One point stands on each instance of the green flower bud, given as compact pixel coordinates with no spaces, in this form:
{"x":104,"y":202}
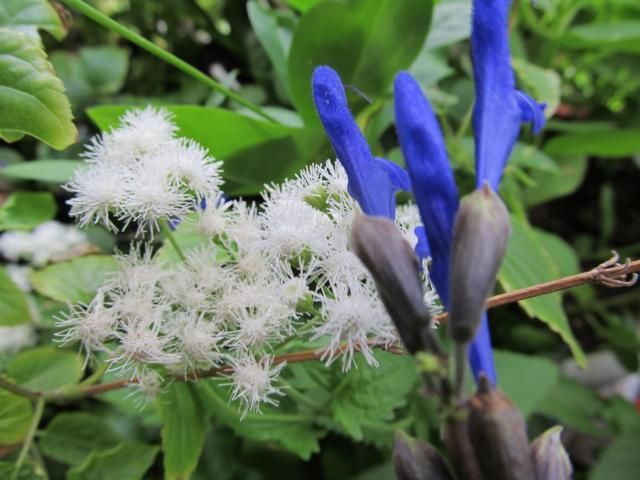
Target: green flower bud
{"x":414,"y":459}
{"x":498,"y":435}
{"x":550,"y":459}
{"x":395,"y":269}
{"x":480,"y":235}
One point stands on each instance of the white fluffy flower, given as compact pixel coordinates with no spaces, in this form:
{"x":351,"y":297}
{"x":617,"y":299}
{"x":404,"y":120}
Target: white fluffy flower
{"x":14,"y":339}
{"x":195,"y":339}
{"x":212,"y":220}
{"x":253,"y":382}
{"x":188,"y":164}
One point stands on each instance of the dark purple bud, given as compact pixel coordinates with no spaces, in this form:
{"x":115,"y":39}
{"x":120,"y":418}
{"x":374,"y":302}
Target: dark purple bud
{"x":414,"y":459}
{"x":482,"y":228}
{"x":498,"y":435}
{"x":550,"y":459}
{"x":395,"y":269}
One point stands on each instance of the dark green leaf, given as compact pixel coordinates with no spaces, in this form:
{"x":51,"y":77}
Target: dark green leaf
{"x":70,"y":437}
{"x":47,"y":171}
{"x":359,"y":40}
{"x":620,"y":461}
{"x":45,"y":368}
{"x":32,"y":99}
{"x":14,"y":309}
{"x":74,"y":281}
{"x":15,"y":417}
{"x":127,"y":461}
{"x":26,"y":210}
{"x":183,"y":430}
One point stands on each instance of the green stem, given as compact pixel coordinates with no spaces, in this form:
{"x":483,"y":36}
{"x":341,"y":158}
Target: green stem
{"x":9,"y":386}
{"x":37,"y":416}
{"x":170,"y":58}
{"x":168,"y":233}
{"x":464,"y":125}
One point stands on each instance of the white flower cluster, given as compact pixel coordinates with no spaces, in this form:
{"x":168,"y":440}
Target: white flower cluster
{"x":141,"y":172}
{"x":259,"y":278}
{"x":49,"y":241}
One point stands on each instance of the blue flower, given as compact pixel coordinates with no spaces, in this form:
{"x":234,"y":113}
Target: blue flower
{"x":499,"y":108}
{"x":373,"y":181}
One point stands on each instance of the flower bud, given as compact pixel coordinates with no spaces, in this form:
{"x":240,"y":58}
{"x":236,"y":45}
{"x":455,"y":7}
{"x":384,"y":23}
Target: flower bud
{"x":550,"y":460}
{"x":498,"y":435}
{"x":480,"y":235}
{"x":414,"y":459}
{"x":395,"y":269}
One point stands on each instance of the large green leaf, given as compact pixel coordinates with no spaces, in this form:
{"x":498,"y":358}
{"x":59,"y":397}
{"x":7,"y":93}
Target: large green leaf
{"x":366,"y":41}
{"x":525,"y":390}
{"x":555,"y":184}
{"x":47,"y":171}
{"x":74,"y":281}
{"x":620,"y":35}
{"x":603,"y":143}
{"x":451,"y":23}
{"x":32,"y":99}
{"x":183,"y":430}
{"x":15,"y":417}
{"x":71,"y":436}
{"x":254,"y":152}
{"x":127,"y":461}
{"x":620,"y":460}
{"x":45,"y":368}
{"x":527,"y":263}
{"x":27,"y":16}
{"x":291,"y":431}
{"x":26,"y":210}
{"x":14,"y":309}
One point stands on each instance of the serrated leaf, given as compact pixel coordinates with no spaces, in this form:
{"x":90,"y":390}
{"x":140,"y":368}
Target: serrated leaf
{"x":525,"y":390}
{"x":14,"y":309}
{"x":356,"y":38}
{"x":45,"y":369}
{"x":32,"y":99}
{"x":290,"y":431}
{"x":528,"y":263}
{"x":46,"y":171}
{"x":74,"y":281}
{"x":70,"y":437}
{"x":127,"y":461}
{"x":183,"y":430}
{"x":28,"y":16}
{"x":26,"y":210}
{"x":370,"y":395}
{"x":15,"y":417}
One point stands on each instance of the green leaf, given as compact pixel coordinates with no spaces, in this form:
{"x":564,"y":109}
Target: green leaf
{"x":127,"y":461}
{"x":45,"y":369}
{"x":254,"y":152}
{"x":70,"y":437}
{"x":604,"y":143}
{"x":359,"y":40}
{"x":451,"y":23}
{"x":15,"y":417}
{"x":14,"y":309}
{"x":291,"y":431}
{"x":32,"y":99}
{"x":528,"y":263}
{"x":74,"y":281}
{"x":28,"y":16}
{"x":46,"y":171}
{"x":619,"y":35}
{"x":525,"y":390}
{"x":183,"y":430}
{"x":302,"y":5}
{"x":265,"y":25}
{"x":552,"y":185}
{"x":370,"y":395}
{"x":26,"y":210}
{"x":27,"y":472}
{"x":620,"y":460}
{"x":543,"y":84}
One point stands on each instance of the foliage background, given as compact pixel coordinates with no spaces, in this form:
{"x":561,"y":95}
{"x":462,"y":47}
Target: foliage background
{"x":572,"y":193}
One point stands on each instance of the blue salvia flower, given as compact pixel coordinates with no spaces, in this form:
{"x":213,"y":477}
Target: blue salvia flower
{"x":499,"y":108}
{"x":372,"y":181}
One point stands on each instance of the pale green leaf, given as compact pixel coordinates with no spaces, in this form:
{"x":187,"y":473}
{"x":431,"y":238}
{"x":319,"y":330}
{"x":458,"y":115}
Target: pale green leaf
{"x":603,"y":143}
{"x":74,"y":281}
{"x":26,"y":210}
{"x":14,"y":309}
{"x":15,"y":417}
{"x":551,"y":185}
{"x":543,"y":84}
{"x":46,"y":171}
{"x":29,"y":16}
{"x":32,"y":99}
{"x":45,"y":368}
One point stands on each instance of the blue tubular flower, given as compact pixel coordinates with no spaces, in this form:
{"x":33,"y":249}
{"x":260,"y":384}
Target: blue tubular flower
{"x":372,"y":181}
{"x":499,"y":108}
{"x":437,"y":198}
